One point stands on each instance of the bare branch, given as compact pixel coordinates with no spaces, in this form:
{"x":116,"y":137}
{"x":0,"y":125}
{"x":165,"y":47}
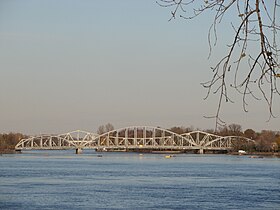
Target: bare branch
{"x":256,"y":38}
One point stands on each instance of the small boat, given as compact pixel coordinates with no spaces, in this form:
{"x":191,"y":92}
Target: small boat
{"x":168,"y":156}
{"x":242,"y":152}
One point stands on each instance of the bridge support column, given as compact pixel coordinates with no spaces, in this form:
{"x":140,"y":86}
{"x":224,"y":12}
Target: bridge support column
{"x":17,"y":150}
{"x":201,"y":151}
{"x":79,"y":151}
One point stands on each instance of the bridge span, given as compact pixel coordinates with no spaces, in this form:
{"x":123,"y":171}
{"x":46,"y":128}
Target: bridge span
{"x":133,"y":138}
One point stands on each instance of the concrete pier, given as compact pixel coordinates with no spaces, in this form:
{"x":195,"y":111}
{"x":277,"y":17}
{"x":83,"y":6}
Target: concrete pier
{"x":79,"y":151}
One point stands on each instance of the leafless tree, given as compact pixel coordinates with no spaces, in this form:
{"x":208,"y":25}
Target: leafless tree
{"x":253,"y":52}
{"x":109,"y":127}
{"x":235,"y":129}
{"x":265,"y":140}
{"x":250,"y":133}
{"x":101,"y":130}
{"x":105,"y":128}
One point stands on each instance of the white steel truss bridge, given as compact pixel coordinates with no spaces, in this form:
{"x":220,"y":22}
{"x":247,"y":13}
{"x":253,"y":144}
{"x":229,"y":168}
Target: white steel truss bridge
{"x":134,"y":138}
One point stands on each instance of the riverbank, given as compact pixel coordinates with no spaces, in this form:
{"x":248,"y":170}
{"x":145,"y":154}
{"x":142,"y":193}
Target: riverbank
{"x":7,"y":151}
{"x":258,"y":154}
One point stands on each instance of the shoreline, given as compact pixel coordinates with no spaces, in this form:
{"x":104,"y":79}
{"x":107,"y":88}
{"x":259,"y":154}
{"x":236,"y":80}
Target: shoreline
{"x":7,"y":151}
{"x":258,"y":154}
{"x":253,"y":154}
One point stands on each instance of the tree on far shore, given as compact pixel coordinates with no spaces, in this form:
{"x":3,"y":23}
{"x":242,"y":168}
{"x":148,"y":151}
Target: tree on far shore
{"x":105,"y":128}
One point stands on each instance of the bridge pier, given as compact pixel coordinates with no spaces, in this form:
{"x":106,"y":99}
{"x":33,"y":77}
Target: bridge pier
{"x":79,"y":151}
{"x":17,"y":150}
{"x":201,"y":151}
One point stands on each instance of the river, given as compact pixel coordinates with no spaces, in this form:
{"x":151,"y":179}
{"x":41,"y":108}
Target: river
{"x":64,"y":180}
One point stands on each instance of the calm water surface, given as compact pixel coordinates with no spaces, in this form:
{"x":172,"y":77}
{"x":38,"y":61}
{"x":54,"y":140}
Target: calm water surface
{"x":63,"y":180}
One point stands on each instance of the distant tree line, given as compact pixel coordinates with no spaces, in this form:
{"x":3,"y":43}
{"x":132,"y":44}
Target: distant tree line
{"x":266,"y":140}
{"x":9,"y":141}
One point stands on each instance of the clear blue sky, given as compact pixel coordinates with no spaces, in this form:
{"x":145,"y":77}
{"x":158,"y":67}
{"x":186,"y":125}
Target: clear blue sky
{"x":72,"y":64}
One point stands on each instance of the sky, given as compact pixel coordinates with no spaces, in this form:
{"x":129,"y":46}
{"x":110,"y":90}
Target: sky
{"x":68,"y":65}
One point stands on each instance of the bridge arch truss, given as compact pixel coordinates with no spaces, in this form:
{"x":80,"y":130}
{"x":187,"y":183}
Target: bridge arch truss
{"x":133,"y":137}
{"x":210,"y":141}
{"x":70,"y":140}
{"x":141,"y":137}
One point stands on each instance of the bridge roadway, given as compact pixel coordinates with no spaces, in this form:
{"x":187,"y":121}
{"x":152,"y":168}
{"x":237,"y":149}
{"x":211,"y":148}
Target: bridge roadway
{"x":134,"y":138}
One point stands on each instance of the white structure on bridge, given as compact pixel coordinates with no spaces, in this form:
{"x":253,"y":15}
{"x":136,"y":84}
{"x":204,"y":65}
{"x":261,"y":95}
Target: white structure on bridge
{"x":132,"y":138}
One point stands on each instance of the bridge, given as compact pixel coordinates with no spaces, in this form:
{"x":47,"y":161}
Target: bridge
{"x":134,"y":138}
